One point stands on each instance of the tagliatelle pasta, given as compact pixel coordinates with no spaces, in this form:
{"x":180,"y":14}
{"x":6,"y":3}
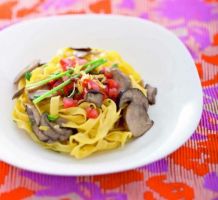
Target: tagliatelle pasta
{"x":70,"y":104}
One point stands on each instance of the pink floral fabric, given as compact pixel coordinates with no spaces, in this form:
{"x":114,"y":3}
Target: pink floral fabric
{"x":189,"y":173}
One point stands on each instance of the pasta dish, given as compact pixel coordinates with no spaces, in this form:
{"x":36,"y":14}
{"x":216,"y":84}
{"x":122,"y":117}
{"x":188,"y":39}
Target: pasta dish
{"x":84,"y":100}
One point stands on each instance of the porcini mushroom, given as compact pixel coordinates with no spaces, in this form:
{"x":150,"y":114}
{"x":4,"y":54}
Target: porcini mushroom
{"x":81,"y":52}
{"x":151,"y":94}
{"x":136,"y":116}
{"x":21,"y":74}
{"x":123,"y":80}
{"x":94,"y":97}
{"x":35,"y":122}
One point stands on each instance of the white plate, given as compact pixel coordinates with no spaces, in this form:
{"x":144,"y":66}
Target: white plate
{"x":156,"y":53}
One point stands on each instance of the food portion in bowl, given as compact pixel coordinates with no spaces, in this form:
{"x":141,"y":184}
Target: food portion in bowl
{"x":82,"y":101}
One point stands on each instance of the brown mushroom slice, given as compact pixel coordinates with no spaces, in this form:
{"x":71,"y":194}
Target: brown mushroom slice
{"x":81,"y":52}
{"x":137,"y":119}
{"x":60,"y":121}
{"x":123,"y":80}
{"x":94,"y":97}
{"x":21,"y":74}
{"x":18,"y":93}
{"x":151,"y":94}
{"x":82,"y":49}
{"x":33,"y":114}
{"x":133,"y":95}
{"x":55,"y":132}
{"x":41,"y":136}
{"x":35,"y":121}
{"x":64,"y":133}
{"x":50,"y":132}
{"x":136,"y":116}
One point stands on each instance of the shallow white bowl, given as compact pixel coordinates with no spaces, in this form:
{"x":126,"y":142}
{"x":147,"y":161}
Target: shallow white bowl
{"x":156,"y":53}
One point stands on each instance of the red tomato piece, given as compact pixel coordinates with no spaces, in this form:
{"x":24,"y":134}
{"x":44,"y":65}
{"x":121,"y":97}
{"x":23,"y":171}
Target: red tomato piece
{"x":91,"y":113}
{"x":106,"y":72}
{"x":51,"y":84}
{"x":92,"y":85}
{"x":69,"y":102}
{"x":58,"y":82}
{"x":112,"y":83}
{"x":85,"y":82}
{"x":113,"y":93}
{"x":66,"y":63}
{"x":78,"y":96}
{"x":68,"y":88}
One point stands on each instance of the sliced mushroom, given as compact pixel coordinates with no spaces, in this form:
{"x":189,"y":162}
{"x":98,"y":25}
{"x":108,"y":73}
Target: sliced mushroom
{"x":151,"y":93}
{"x":49,"y":132}
{"x":32,"y":66}
{"x":94,"y":97}
{"x":35,"y":121}
{"x":33,"y":114}
{"x":55,"y":132}
{"x":81,"y":52}
{"x":82,"y":49}
{"x":133,"y":95}
{"x":61,"y":121}
{"x":64,"y":133}
{"x":136,"y":117}
{"x":18,"y":93}
{"x":36,"y":93}
{"x":123,"y":80}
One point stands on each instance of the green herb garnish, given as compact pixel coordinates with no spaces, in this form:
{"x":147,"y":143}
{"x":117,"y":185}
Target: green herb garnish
{"x":52,"y":118}
{"x":115,"y":65}
{"x":93,"y":64}
{"x":28,"y":75}
{"x":52,"y":91}
{"x":50,"y":78}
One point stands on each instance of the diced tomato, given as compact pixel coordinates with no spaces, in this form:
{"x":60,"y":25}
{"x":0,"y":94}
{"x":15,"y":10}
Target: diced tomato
{"x":58,"y":82}
{"x":85,"y":82}
{"x":78,"y":96}
{"x":92,"y":85}
{"x":113,"y":93}
{"x":51,"y":84}
{"x":112,"y":83}
{"x":68,"y":88}
{"x":106,"y":72}
{"x":91,"y":113}
{"x":67,"y":63}
{"x":69,"y":102}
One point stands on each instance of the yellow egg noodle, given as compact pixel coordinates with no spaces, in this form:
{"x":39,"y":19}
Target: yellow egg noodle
{"x":93,"y":135}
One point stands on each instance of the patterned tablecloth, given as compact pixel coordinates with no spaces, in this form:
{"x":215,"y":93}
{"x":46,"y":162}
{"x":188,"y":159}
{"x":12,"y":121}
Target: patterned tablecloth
{"x":189,"y":173}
